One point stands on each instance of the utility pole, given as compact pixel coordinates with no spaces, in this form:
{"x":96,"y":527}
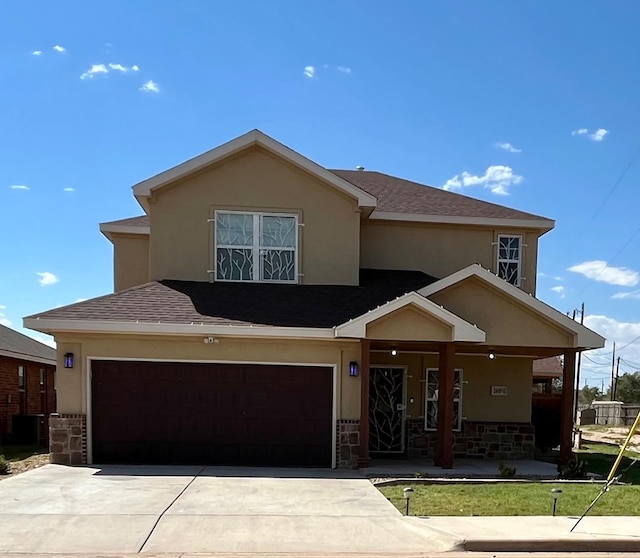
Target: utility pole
{"x":615,"y":384}
{"x":613,"y":366}
{"x":575,"y":403}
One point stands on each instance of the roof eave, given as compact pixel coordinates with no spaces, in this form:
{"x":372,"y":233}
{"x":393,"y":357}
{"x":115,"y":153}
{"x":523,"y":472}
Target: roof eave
{"x":24,"y":356}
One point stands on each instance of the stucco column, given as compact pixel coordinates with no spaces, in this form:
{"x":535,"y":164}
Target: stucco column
{"x":444,"y":439}
{"x":363,"y":456}
{"x":566,"y":409}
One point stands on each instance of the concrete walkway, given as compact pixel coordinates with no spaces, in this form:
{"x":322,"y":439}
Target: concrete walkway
{"x":58,"y":509}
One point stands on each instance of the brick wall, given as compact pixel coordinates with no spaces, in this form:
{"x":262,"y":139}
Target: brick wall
{"x":32,"y":401}
{"x":491,"y":440}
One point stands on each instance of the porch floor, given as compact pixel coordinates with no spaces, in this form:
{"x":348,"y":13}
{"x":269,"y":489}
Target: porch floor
{"x":462,"y":469}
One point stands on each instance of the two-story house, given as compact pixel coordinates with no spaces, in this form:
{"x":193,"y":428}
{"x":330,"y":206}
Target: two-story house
{"x":270,"y":311}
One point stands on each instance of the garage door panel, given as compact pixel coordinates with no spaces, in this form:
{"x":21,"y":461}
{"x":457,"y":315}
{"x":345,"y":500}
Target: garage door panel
{"x":157,"y":412}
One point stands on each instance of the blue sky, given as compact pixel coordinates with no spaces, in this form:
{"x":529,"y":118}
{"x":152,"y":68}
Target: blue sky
{"x":96,"y":96}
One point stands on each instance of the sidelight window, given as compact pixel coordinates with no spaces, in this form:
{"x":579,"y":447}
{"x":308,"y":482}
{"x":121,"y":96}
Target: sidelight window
{"x":431,"y":400}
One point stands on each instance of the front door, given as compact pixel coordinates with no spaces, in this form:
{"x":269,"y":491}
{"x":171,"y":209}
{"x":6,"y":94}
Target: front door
{"x":386,"y":410}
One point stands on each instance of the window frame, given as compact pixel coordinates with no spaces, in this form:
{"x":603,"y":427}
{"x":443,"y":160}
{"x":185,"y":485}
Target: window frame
{"x":500,"y":260}
{"x":42,"y":379}
{"x":256,"y":248}
{"x":22,"y":377}
{"x":428,"y":399}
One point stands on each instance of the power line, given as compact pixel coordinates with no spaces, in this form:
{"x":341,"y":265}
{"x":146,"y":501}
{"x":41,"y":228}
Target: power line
{"x":630,"y":342}
{"x":598,"y":363}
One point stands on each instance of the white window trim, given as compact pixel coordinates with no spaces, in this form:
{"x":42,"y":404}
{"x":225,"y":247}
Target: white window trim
{"x":257,"y":226}
{"x":500,"y":260}
{"x":427,"y":399}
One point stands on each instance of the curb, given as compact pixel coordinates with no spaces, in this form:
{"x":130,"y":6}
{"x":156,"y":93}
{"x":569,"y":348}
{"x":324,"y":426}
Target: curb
{"x":608,"y":545}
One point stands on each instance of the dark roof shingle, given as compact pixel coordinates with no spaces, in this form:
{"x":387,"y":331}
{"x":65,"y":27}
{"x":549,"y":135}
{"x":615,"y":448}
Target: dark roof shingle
{"x":258,"y":304}
{"x":14,"y":342}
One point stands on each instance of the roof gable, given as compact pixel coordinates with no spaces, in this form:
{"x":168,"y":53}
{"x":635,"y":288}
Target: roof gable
{"x":144,"y":189}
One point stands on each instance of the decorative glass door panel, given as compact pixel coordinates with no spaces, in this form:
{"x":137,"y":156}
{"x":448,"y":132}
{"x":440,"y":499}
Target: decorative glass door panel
{"x":386,"y":409}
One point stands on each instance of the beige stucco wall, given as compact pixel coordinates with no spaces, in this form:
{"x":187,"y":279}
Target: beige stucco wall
{"x":130,"y":260}
{"x":72,"y":386}
{"x":409,"y":324}
{"x":505,"y":322}
{"x":478,"y":375}
{"x":440,"y":250}
{"x":182,"y":239}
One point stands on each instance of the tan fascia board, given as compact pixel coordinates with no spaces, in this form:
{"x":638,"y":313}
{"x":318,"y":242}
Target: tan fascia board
{"x":539,"y":224}
{"x":144,"y":189}
{"x":46,"y":325}
{"x":108,"y":229}
{"x":462,"y":330}
{"x":584,"y":337}
{"x":29,"y":358}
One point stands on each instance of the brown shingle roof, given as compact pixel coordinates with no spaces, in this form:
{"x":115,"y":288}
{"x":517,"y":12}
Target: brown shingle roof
{"x":141,"y":221}
{"x":551,"y":366}
{"x":12,"y":341}
{"x":185,"y":302}
{"x":398,"y":195}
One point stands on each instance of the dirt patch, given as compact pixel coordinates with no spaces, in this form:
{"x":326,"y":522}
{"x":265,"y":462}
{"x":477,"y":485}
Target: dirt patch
{"x":33,"y":462}
{"x":615,"y":435}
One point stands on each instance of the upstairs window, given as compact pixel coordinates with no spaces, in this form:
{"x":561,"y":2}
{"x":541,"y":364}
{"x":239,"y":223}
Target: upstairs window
{"x":259,"y":247}
{"x":510,"y":258}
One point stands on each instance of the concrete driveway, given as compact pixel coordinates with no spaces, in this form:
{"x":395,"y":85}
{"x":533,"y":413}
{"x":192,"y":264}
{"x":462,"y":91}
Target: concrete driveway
{"x":128,"y":509}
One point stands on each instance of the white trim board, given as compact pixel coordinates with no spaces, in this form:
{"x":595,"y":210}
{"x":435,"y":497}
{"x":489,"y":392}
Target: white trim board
{"x":585,"y":338}
{"x":143,"y":190}
{"x":334,"y":401}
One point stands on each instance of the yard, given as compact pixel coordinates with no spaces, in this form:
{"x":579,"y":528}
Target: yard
{"x":514,"y":499}
{"x":24,"y":458}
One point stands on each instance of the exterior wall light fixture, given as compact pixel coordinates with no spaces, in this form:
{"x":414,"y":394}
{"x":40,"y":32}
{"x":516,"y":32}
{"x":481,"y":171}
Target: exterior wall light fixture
{"x":491,"y":356}
{"x":354,"y":369}
{"x":394,"y":352}
{"x":68,"y":360}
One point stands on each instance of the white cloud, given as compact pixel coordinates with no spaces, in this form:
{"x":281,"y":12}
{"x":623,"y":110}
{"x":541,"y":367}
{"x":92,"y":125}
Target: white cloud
{"x":343,"y":69}
{"x":3,"y":319}
{"x":135,"y":68}
{"x":95,"y":70}
{"x":596,"y":135}
{"x":560,"y":289}
{"x":599,"y":134}
{"x":508,"y":147}
{"x":80,"y":300}
{"x":69,"y":189}
{"x":628,"y":294}
{"x":497,"y":178}
{"x":118,"y":67}
{"x":59,"y":48}
{"x":46,"y":278}
{"x":37,"y":53}
{"x":19,"y":187}
{"x":309,"y":71}
{"x":599,"y":270}
{"x":150,"y":87}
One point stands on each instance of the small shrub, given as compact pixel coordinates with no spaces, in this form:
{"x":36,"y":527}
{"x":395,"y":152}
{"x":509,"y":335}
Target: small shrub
{"x":505,"y":471}
{"x":418,"y":475}
{"x":575,"y":469}
{"x":4,"y":466}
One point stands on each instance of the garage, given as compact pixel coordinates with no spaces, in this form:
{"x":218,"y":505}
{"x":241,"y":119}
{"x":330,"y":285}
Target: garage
{"x":205,"y":413}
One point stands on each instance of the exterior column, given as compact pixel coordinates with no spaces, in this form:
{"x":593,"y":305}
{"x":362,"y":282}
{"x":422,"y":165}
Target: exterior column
{"x":446,"y":378}
{"x":566,"y":409}
{"x":363,"y":456}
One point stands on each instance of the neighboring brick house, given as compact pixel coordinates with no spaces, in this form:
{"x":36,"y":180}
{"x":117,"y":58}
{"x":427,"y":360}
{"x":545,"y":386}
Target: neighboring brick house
{"x":271,"y":311}
{"x":27,"y":387}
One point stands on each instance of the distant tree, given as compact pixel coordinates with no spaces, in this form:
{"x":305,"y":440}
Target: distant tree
{"x":628,"y":388}
{"x":589,"y":394}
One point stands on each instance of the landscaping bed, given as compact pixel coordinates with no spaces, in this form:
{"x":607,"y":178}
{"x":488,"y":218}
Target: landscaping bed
{"x":23,"y":458}
{"x":514,"y":499}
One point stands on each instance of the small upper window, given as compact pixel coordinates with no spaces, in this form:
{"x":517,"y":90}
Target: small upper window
{"x":256,"y":247}
{"x":21,"y":377}
{"x":510,"y":258}
{"x":41,"y":378}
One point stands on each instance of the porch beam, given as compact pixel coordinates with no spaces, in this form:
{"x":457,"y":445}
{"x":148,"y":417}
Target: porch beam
{"x":363,"y":452}
{"x":446,"y":377}
{"x":566,"y":409}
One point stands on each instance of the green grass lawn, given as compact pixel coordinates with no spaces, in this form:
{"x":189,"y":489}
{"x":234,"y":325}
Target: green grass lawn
{"x":601,"y":457}
{"x":515,"y":499}
{"x":17,"y":453}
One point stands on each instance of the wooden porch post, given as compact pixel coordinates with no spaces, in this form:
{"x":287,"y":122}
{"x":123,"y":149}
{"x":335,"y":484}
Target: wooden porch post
{"x":446,"y":378}
{"x":566,"y":409}
{"x":363,"y":455}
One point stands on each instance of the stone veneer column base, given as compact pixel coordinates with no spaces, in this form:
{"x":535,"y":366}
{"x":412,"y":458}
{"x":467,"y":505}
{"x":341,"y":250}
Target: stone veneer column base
{"x":490,"y":440}
{"x":347,"y":443}
{"x":68,"y":439}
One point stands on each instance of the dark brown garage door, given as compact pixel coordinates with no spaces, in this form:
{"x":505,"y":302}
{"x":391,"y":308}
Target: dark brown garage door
{"x":165,"y":412}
